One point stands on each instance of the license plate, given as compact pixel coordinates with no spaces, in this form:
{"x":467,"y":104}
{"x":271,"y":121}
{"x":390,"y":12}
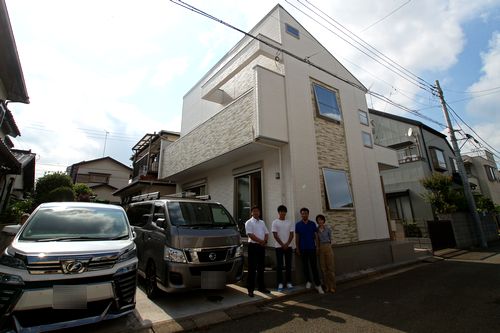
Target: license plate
{"x":213,"y":280}
{"x":69,"y":297}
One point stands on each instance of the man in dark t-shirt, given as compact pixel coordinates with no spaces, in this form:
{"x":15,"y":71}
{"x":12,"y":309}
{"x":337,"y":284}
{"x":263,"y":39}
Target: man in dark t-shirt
{"x":306,"y":240}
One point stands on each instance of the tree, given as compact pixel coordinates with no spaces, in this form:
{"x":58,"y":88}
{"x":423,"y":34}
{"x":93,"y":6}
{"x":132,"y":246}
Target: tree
{"x":441,"y":195}
{"x":82,"y":192}
{"x":54,"y":187}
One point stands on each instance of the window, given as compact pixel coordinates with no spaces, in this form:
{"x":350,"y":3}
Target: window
{"x":491,"y":173}
{"x":138,"y":215}
{"x":367,"y":140}
{"x":326,"y":102}
{"x":363,"y":117}
{"x":98,"y":178}
{"x":248,"y":192}
{"x":292,"y":30}
{"x":438,"y":160}
{"x":338,"y":192}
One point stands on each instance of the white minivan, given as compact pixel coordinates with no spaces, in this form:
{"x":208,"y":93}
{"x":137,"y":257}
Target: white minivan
{"x":70,"y":264}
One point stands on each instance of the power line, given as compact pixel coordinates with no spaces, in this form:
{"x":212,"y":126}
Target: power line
{"x":386,"y":16}
{"x":476,"y":134}
{"x":395,"y":67}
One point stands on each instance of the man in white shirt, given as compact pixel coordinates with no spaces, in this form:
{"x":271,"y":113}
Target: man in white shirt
{"x":257,"y":239}
{"x":283,"y":231}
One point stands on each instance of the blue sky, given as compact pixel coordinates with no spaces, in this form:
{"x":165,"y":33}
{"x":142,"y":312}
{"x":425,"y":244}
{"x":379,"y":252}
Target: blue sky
{"x":110,"y":71}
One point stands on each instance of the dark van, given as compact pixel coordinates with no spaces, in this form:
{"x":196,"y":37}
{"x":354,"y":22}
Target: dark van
{"x":185,"y":243}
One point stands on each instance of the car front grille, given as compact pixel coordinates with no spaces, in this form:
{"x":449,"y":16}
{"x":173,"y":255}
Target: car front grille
{"x":196,"y":270}
{"x":56,"y":265}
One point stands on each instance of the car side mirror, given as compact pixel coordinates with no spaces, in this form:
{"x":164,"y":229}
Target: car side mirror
{"x":11,"y":230}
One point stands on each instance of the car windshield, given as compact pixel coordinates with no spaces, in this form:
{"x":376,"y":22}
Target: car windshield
{"x":76,"y":223}
{"x":194,"y":214}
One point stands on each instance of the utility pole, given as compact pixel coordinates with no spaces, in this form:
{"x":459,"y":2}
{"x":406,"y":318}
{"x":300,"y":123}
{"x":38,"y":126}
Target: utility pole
{"x":105,"y":140}
{"x":461,"y":170}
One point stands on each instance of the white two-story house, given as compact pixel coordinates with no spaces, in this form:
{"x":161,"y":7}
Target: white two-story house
{"x":269,"y":125}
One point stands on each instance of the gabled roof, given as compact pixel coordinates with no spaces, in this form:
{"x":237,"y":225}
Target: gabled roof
{"x":23,"y":156}
{"x":103,"y":185}
{"x":101,"y":159}
{"x":8,"y":162}
{"x":11,"y":72}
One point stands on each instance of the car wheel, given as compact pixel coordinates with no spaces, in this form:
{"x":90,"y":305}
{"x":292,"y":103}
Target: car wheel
{"x":151,"y":286}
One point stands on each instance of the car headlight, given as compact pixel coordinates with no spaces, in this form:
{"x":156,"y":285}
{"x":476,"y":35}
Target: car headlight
{"x":239,"y":251}
{"x":11,"y":279}
{"x":11,"y":261}
{"x":174,"y":255}
{"x":128,"y":254}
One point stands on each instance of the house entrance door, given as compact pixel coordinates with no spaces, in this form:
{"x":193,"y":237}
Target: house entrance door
{"x":248,"y":191}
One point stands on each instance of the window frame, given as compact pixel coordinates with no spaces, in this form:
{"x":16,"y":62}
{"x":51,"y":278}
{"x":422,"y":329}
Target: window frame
{"x":330,"y":193}
{"x":335,"y":92}
{"x":365,"y":116}
{"x":367,"y":135}
{"x":490,"y":173}
{"x":435,"y":159}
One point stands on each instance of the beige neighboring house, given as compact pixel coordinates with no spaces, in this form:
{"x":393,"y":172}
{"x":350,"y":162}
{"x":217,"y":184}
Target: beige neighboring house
{"x":145,"y":164}
{"x":12,"y":89}
{"x":483,"y":174}
{"x":103,"y":175}
{"x":265,"y":128}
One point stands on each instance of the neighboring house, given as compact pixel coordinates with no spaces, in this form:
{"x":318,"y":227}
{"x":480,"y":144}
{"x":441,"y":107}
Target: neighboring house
{"x":264,"y":128}
{"x":25,"y":182}
{"x":483,"y":174}
{"x":421,"y":151}
{"x":146,"y":160}
{"x":103,"y":175}
{"x":12,"y":89}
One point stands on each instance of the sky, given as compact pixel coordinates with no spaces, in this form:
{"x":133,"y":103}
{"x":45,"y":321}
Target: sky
{"x":102,"y":74}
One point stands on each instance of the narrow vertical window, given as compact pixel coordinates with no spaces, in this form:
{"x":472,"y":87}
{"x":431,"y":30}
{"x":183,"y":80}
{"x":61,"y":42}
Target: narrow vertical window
{"x":363,"y":117}
{"x":367,"y":139}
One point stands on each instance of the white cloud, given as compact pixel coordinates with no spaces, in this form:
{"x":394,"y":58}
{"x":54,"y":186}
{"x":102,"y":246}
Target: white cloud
{"x":167,"y":70}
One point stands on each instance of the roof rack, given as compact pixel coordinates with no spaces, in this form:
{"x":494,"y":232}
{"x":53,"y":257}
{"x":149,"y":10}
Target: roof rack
{"x":147,"y":196}
{"x":156,"y":195}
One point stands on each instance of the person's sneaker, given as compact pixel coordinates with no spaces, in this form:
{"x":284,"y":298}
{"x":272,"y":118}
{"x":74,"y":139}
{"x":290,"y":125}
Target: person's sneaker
{"x":280,"y":287}
{"x":289,"y":286}
{"x":320,"y":290}
{"x":308,"y":285}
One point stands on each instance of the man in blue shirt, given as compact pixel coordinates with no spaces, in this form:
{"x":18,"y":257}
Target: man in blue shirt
{"x":306,"y":240}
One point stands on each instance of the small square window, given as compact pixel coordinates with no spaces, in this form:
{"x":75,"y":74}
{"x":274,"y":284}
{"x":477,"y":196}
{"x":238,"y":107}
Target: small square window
{"x":292,"y":30}
{"x":338,"y":191}
{"x":326,"y":102}
{"x":367,"y":139}
{"x":363,"y":117}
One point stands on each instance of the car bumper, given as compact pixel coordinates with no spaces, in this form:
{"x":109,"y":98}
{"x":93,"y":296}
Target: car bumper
{"x":180,"y":276}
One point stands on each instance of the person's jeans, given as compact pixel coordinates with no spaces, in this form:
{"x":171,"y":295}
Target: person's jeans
{"x":280,"y":253}
{"x":310,"y":265}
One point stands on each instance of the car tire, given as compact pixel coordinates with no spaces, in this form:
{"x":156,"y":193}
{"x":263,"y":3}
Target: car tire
{"x":150,"y":282}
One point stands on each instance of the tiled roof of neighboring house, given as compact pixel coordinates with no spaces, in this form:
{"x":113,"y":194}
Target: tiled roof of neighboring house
{"x":142,"y":182}
{"x":102,"y":159}
{"x":11,"y":72}
{"x":8,"y":161}
{"x":23,"y":156}
{"x":103,"y":185}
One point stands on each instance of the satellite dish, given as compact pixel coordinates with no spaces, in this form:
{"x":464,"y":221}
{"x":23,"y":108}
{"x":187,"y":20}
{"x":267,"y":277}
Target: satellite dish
{"x":410,"y":131}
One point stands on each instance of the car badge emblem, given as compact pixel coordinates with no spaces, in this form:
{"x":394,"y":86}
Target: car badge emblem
{"x":212,"y":256}
{"x":73,"y":267}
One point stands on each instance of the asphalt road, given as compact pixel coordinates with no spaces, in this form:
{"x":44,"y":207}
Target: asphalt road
{"x":461,"y":294}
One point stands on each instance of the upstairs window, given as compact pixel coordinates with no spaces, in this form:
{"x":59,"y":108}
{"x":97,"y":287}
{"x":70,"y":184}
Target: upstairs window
{"x":327,"y":104}
{"x":292,"y":31}
{"x":453,"y":163}
{"x":363,"y":117}
{"x":338,"y":191}
{"x":438,"y":160}
{"x":367,"y":140}
{"x":490,"y":173}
